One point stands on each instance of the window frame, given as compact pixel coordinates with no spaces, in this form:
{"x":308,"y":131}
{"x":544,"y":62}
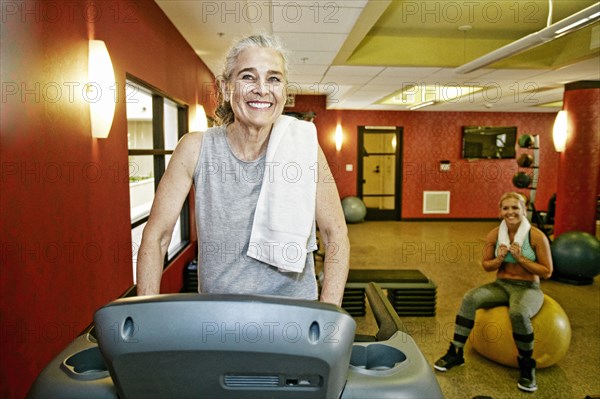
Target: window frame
{"x":159,"y":154}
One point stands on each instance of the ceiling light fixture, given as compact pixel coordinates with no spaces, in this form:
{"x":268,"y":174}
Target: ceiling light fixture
{"x":570,"y":24}
{"x":553,"y":104}
{"x":421,"y":105}
{"x":418,"y":95}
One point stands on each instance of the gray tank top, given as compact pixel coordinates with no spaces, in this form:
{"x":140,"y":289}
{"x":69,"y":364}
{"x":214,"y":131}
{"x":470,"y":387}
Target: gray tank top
{"x":227,"y":190}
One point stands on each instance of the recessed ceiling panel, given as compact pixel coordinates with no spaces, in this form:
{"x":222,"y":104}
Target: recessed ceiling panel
{"x":449,"y":34}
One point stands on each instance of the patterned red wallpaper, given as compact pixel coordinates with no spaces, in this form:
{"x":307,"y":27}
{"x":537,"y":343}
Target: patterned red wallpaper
{"x":429,"y":137}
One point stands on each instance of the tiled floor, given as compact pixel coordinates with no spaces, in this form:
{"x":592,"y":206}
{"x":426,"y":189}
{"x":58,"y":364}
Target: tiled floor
{"x":449,"y":253}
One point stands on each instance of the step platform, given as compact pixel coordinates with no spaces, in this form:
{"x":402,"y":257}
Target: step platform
{"x":410,"y":292}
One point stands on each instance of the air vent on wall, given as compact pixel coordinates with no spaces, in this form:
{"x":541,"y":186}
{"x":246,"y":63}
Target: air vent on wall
{"x":436,"y":202}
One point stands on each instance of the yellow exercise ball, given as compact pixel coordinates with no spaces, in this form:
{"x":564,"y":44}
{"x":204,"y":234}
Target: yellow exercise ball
{"x":492,"y":336}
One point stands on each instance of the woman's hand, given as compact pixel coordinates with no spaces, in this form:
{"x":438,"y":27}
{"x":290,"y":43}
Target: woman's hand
{"x":515,"y":250}
{"x":502,"y":252}
{"x":492,"y":259}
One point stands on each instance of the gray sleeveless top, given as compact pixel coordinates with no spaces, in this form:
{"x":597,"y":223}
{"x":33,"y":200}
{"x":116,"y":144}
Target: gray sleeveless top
{"x":227,"y":190}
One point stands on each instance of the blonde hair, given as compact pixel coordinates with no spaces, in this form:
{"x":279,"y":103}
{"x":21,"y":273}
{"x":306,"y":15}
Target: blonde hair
{"x":514,"y":195}
{"x":224,"y":112}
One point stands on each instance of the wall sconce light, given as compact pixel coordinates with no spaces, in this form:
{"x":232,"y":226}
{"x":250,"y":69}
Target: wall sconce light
{"x":99,"y":89}
{"x":200,"y":122}
{"x":339,"y":137}
{"x":560,"y":130}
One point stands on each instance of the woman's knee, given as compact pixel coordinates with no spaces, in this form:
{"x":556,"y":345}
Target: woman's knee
{"x":519,"y":317}
{"x":473,"y":296}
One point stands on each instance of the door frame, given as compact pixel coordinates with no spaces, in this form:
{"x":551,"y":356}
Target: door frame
{"x":373,"y":213}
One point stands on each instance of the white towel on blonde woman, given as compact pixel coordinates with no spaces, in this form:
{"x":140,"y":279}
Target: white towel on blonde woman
{"x":520,"y":235}
{"x":284,"y":222}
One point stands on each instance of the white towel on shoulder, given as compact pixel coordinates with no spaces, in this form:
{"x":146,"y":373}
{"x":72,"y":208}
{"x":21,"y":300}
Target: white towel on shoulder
{"x":520,"y":235}
{"x":283,"y":226}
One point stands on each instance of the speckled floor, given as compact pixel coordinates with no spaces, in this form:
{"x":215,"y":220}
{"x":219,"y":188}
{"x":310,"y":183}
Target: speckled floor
{"x":449,"y":253}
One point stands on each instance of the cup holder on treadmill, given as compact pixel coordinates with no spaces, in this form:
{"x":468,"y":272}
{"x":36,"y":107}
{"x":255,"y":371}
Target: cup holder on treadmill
{"x":86,"y":365}
{"x":375,"y":358}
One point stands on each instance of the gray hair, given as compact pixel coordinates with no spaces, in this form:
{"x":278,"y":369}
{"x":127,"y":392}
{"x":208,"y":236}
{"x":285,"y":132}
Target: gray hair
{"x":224,"y":111}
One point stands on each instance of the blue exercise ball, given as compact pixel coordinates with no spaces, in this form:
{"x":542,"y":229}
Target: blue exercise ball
{"x":576,"y":254}
{"x":354,"y":209}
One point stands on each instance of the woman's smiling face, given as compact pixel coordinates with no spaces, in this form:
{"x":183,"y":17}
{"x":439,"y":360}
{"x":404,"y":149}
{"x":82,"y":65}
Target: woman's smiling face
{"x":257,"y":87}
{"x":512,"y":211}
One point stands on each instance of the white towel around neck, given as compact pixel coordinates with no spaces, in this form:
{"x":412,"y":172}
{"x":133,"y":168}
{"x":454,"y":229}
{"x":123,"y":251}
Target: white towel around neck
{"x":283,"y":227}
{"x":520,"y":235}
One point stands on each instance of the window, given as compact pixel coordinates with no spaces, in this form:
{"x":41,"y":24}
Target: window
{"x":155,"y":123}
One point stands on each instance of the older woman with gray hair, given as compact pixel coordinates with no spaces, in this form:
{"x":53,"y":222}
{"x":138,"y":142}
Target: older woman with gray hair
{"x":262,"y":185}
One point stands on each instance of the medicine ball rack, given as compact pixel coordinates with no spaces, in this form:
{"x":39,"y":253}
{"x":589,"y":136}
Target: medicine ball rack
{"x":532,"y":142}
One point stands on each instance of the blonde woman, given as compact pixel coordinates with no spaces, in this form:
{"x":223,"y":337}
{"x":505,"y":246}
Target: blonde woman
{"x":520,"y":256}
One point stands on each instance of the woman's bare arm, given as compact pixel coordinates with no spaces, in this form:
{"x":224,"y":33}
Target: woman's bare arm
{"x":334,"y":234}
{"x":172,"y":191}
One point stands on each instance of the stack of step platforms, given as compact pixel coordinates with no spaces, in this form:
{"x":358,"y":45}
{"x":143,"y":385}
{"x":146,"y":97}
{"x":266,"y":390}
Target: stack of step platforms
{"x":354,"y":300}
{"x":410,"y":291}
{"x":190,"y":277}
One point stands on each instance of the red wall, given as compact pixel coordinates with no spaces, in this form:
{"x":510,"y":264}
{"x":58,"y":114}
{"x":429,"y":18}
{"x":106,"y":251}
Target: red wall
{"x":66,"y":244}
{"x":428,"y":138}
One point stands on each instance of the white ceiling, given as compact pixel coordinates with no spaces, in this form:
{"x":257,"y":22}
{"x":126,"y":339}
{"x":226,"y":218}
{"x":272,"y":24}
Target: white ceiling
{"x":321,"y":35}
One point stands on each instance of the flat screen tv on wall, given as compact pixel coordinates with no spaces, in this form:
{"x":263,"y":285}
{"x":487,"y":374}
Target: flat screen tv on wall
{"x":489,"y":142}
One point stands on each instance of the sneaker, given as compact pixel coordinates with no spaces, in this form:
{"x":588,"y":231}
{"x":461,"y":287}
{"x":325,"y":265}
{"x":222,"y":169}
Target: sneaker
{"x":454,"y":357}
{"x":527,"y":379}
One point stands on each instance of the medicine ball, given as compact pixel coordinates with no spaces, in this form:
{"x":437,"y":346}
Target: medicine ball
{"x":354,"y":209}
{"x":521,"y":180}
{"x":525,"y":160}
{"x":526,"y":141}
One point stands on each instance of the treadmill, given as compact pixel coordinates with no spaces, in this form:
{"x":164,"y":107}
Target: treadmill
{"x":238,"y":346}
